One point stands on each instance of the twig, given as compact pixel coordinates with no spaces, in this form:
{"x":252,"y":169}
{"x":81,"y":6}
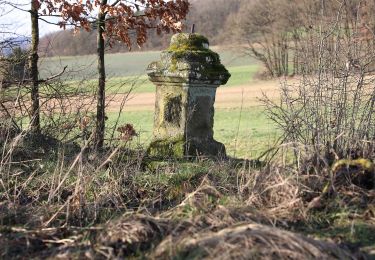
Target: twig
{"x":53,"y":77}
{"x":238,"y":126}
{"x":39,"y":81}
{"x":11,"y":117}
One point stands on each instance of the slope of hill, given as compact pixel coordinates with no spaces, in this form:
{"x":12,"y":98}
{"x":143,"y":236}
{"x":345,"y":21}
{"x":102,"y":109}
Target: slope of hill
{"x":7,"y":45}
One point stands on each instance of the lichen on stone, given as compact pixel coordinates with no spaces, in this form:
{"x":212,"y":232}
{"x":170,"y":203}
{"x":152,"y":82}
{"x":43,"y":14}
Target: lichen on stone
{"x":188,"y":59}
{"x":360,"y":172}
{"x":185,"y":42}
{"x":191,"y":47}
{"x":173,"y":147}
{"x":362,"y":163}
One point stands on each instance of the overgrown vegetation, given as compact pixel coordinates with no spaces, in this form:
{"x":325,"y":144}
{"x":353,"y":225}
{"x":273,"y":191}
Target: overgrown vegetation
{"x":310,"y":196}
{"x":118,"y":205}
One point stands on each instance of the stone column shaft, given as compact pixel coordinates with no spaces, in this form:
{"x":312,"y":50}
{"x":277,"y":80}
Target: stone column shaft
{"x":186,"y":79}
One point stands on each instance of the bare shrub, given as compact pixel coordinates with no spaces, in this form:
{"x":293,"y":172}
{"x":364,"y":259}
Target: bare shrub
{"x":328,"y":114}
{"x":55,"y":179}
{"x":262,"y":74}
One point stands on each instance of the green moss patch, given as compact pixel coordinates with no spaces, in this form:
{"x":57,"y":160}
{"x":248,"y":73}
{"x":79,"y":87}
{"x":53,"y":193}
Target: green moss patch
{"x":193,"y":49}
{"x":184,"y":41}
{"x":168,"y":148}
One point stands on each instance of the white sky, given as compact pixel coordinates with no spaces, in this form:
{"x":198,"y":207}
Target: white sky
{"x":17,"y":22}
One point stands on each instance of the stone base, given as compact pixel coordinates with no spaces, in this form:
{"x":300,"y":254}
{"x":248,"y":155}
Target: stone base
{"x":167,"y":148}
{"x":178,"y":148}
{"x":208,"y":148}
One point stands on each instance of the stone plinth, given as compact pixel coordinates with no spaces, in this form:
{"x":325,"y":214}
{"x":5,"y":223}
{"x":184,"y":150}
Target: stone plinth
{"x":186,"y":79}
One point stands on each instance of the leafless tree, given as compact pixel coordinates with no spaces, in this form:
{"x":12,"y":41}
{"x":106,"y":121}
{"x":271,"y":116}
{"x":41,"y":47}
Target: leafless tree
{"x":284,"y":35}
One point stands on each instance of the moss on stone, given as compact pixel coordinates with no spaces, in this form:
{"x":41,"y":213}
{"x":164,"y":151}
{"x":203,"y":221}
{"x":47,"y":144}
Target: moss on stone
{"x":185,"y":42}
{"x":361,"y":163}
{"x":167,"y":148}
{"x":215,"y":70}
{"x":187,"y":59}
{"x":193,"y":54}
{"x":191,"y":47}
{"x":360,"y":172}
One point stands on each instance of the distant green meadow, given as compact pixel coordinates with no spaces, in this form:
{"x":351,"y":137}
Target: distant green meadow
{"x":246,"y":133}
{"x":127,"y":71}
{"x":119,"y":65}
{"x":241,"y":75}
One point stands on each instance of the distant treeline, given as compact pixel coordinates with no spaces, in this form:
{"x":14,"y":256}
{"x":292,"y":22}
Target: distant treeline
{"x":209,"y":17}
{"x":294,"y":37}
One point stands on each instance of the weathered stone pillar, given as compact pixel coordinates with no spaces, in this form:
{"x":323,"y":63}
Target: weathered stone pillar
{"x":186,"y":79}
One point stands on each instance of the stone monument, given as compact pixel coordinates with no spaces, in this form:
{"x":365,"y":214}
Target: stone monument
{"x":186,"y":79}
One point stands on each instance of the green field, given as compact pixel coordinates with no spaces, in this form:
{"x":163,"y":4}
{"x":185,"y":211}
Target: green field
{"x":120,"y":65}
{"x":251,"y":128}
{"x":241,"y":75}
{"x":127,"y":71}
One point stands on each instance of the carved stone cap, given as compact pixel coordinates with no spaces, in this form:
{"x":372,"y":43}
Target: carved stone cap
{"x":189,"y":60}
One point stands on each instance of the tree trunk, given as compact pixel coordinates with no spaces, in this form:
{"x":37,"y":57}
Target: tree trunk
{"x":286,"y":56}
{"x":268,"y":56}
{"x":35,"y":109}
{"x":100,"y":109}
{"x":295,"y":57}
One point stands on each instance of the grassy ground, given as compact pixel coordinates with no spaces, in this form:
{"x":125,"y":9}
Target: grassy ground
{"x":245,"y":134}
{"x":241,"y":75}
{"x":78,"y":209}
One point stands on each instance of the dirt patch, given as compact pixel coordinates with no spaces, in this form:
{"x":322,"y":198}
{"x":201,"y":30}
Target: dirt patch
{"x":226,"y":97}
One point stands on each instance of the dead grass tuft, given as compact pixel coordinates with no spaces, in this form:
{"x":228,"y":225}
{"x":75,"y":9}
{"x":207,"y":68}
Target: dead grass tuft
{"x":131,"y":235}
{"x":249,"y":241}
